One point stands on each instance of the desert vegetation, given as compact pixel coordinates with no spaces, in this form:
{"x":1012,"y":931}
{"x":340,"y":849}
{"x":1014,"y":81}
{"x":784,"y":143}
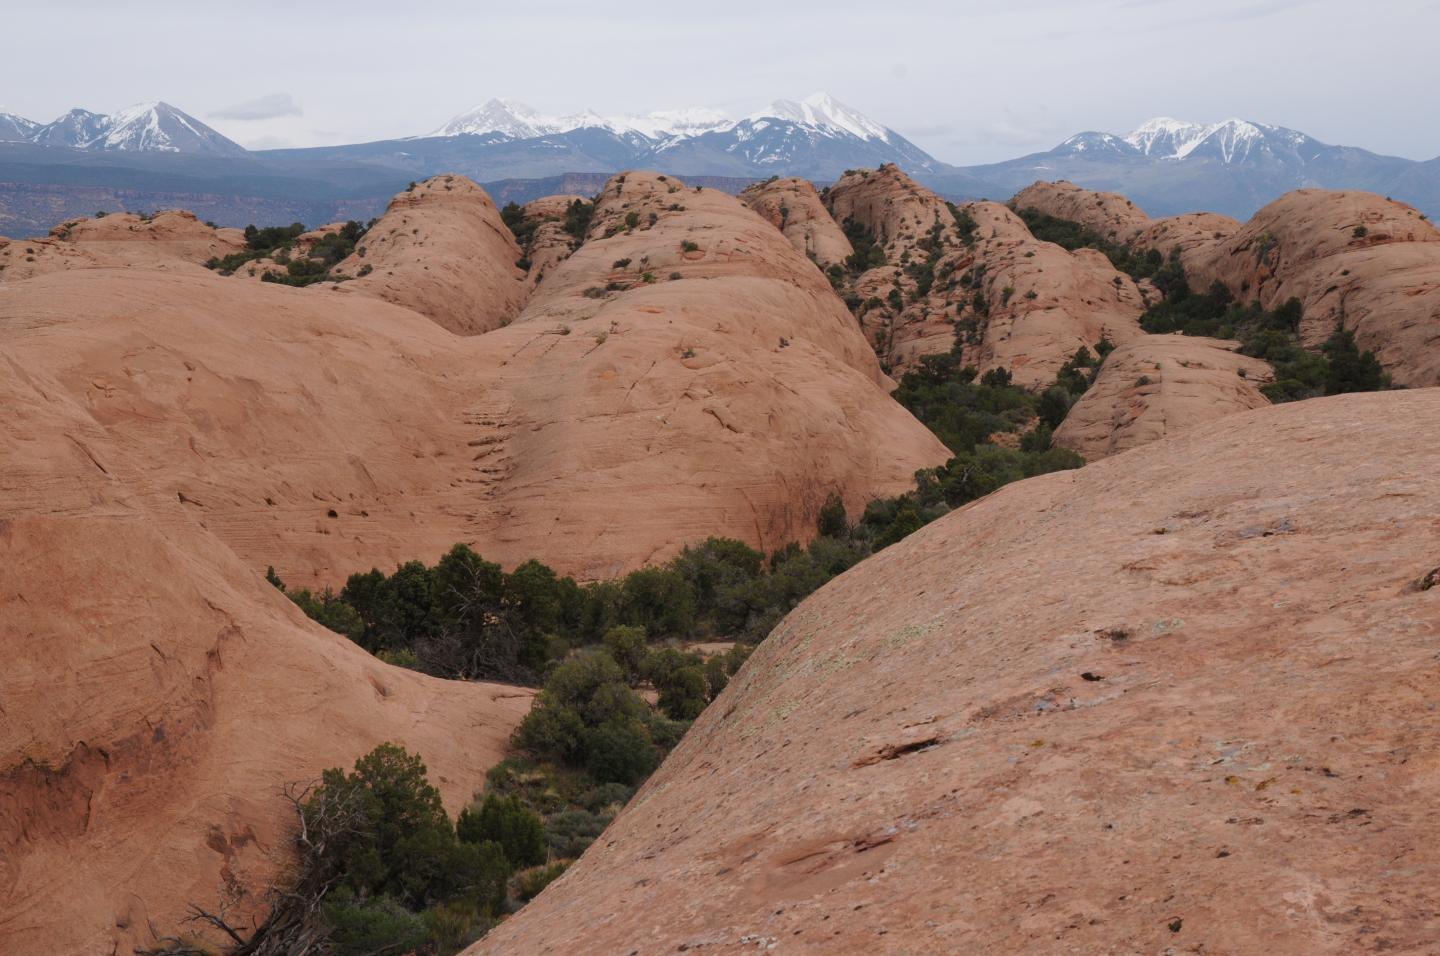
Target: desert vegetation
{"x":277,"y":242}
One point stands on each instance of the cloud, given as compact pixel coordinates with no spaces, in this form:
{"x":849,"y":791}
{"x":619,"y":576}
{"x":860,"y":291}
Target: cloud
{"x":270,"y":106}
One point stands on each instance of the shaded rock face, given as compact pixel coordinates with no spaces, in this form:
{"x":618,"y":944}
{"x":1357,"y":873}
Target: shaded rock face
{"x":1056,"y":303}
{"x":158,"y":694}
{"x":1353,"y":259}
{"x":1159,"y":385}
{"x":793,"y":206}
{"x":442,"y":250}
{"x":1041,"y":724}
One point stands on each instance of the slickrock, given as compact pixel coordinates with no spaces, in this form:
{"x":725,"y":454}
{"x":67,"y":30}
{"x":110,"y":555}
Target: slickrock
{"x":793,"y":206}
{"x":688,"y":372}
{"x":159,"y":695}
{"x":1159,"y":385}
{"x":1195,"y":234}
{"x":168,"y":240}
{"x":1108,"y":215}
{"x":551,"y":244}
{"x":1113,"y":217}
{"x":1352,"y":259}
{"x":1056,"y":301}
{"x":171,"y":431}
{"x":1044,"y":303}
{"x":326,"y":432}
{"x":1178,"y":700}
{"x":442,"y":250}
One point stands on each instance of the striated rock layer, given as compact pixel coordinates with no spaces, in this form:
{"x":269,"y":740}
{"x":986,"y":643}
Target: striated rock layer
{"x":1178,"y":700}
{"x":1159,"y":385}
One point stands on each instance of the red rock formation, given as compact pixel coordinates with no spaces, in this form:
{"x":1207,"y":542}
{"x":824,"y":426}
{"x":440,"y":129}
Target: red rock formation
{"x":575,"y":435}
{"x":1108,"y":215}
{"x":158,"y":694}
{"x":1353,"y":259}
{"x":1044,"y":303}
{"x":442,"y":250}
{"x":1057,"y":301}
{"x":793,"y":206}
{"x":1159,"y":385}
{"x":686,"y":376}
{"x":170,"y":432}
{"x":165,"y":241}
{"x":551,"y":244}
{"x":1178,"y":699}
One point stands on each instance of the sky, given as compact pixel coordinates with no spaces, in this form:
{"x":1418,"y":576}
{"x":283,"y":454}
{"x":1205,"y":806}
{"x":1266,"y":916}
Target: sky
{"x":968,"y":81}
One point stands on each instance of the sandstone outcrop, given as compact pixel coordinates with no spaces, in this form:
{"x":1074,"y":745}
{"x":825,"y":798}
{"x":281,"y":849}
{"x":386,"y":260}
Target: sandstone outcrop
{"x":325,"y":432}
{"x":550,"y":244}
{"x":1108,"y":215}
{"x":170,"y":432}
{"x":1178,"y":700}
{"x":793,"y":206}
{"x":1036,"y":305}
{"x":1353,"y":259}
{"x":687,"y":372}
{"x":159,"y":695}
{"x":167,"y":240}
{"x":442,"y":250}
{"x":1159,"y":385}
{"x":1044,"y":303}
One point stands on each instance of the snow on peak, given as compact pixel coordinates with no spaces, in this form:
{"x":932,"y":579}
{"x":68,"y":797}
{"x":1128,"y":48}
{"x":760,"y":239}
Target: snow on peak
{"x":824,"y":111}
{"x":1231,"y":140}
{"x":15,"y":128}
{"x":507,"y":117}
{"x":151,"y":127}
{"x":1165,"y":137}
{"x":518,"y":121}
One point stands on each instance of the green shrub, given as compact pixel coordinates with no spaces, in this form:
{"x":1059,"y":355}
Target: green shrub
{"x":507,"y":821}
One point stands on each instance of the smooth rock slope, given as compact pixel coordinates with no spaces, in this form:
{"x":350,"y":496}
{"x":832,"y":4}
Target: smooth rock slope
{"x":1176,"y":701}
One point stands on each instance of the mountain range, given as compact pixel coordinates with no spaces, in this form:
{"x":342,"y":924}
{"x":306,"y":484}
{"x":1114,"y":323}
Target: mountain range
{"x":154,"y":155}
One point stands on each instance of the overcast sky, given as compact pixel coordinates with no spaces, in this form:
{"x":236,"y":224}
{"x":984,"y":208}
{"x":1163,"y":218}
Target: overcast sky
{"x":968,"y":81}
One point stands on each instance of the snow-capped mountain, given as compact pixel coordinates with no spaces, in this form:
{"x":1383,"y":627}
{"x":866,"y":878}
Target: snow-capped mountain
{"x":819,"y":112}
{"x":822,"y":111}
{"x":1234,"y":166}
{"x":1229,"y":141}
{"x":817,"y":136}
{"x":515,"y":120}
{"x":1095,"y":144}
{"x":16,"y":129}
{"x":1164,"y":136}
{"x":145,"y":127}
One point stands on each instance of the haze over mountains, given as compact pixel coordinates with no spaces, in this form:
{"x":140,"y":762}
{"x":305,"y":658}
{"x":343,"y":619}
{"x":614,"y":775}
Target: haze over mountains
{"x":154,"y":155}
